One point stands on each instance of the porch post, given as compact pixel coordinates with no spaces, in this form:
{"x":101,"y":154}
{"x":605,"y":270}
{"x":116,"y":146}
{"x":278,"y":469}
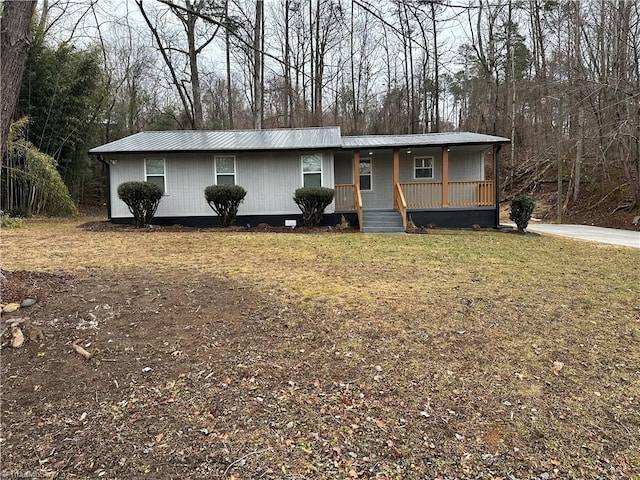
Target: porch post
{"x":396,"y":167}
{"x":445,"y":176}
{"x":356,"y":167}
{"x":496,"y":180}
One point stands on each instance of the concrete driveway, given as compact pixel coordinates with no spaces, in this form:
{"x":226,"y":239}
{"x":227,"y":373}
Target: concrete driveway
{"x":612,"y":236}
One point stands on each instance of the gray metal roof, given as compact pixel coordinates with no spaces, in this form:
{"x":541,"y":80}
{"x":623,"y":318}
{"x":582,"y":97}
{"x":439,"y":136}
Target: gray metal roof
{"x":281,"y":139}
{"x":225,"y":140}
{"x":419,"y":140}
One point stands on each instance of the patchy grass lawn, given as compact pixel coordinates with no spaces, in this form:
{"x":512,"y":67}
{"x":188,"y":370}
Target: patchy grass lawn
{"x":452,"y":355}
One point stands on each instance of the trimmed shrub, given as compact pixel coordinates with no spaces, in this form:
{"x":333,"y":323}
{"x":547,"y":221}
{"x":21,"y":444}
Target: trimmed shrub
{"x":225,"y":201}
{"x":312,"y":201}
{"x":142,"y":198}
{"x":521,"y":211}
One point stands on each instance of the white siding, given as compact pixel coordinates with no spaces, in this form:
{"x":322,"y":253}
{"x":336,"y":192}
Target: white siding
{"x":269,"y":178}
{"x":344,"y":167}
{"x":464,"y":165}
{"x":381,"y":193}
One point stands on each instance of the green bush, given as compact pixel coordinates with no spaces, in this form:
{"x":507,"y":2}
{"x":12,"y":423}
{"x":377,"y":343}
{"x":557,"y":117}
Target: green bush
{"x":312,"y":201}
{"x":521,"y":211}
{"x":8,"y":221}
{"x":225,"y":201}
{"x":142,"y":198}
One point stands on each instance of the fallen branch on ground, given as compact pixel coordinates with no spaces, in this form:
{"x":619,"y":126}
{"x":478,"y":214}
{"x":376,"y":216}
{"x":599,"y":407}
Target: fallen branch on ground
{"x":81,"y":351}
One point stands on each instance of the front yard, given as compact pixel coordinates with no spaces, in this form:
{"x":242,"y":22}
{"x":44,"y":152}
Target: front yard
{"x":324,"y":355}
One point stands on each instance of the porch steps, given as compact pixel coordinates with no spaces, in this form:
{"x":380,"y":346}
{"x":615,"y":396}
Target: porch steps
{"x":382,"y":221}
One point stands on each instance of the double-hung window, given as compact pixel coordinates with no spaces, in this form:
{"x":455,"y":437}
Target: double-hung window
{"x":365,"y":174}
{"x":155,"y":172}
{"x":225,"y":170}
{"x":423,"y":168}
{"x":312,"y":170}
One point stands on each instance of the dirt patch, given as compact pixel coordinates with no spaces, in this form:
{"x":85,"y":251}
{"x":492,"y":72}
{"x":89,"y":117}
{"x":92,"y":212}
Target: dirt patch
{"x":195,"y":376}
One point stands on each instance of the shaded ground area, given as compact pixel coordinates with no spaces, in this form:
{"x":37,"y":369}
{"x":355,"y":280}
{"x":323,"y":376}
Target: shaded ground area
{"x":106,"y":226}
{"x":196,"y":376}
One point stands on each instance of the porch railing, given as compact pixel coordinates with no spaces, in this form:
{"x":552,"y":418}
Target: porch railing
{"x":422,"y":194}
{"x":348,"y":197}
{"x":400,"y":204}
{"x":477,"y":193}
{"x":471,"y":194}
{"x":345,"y":197}
{"x":358,"y":200}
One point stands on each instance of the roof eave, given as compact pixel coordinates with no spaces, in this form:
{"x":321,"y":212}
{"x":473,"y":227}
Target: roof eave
{"x":427,"y":145}
{"x":217,"y":150}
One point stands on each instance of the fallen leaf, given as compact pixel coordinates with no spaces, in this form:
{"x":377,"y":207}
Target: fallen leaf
{"x":17,"y":339}
{"x":557,"y":366}
{"x":381,"y":423}
{"x":159,"y":437}
{"x":10,"y":307}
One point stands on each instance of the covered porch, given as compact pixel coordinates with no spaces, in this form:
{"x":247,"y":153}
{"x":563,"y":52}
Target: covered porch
{"x":423,"y":180}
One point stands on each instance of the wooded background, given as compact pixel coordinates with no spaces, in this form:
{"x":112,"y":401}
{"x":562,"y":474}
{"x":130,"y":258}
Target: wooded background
{"x":560,"y":78}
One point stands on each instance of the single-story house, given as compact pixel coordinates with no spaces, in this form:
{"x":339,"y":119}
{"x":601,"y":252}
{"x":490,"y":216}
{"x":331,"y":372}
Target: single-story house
{"x":381,"y":181}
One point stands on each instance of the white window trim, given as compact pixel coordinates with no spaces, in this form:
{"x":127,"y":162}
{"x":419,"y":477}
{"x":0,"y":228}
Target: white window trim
{"x":370,"y":175}
{"x":320,"y":171}
{"x":215,"y":168}
{"x":163,"y":175}
{"x":433,"y":167}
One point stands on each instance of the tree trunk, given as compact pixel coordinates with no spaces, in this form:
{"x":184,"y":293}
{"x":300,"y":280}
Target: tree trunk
{"x":227,"y":39}
{"x":190,"y":27}
{"x":15,"y":39}
{"x":258,"y":80}
{"x":288,"y":95}
{"x":436,"y":74}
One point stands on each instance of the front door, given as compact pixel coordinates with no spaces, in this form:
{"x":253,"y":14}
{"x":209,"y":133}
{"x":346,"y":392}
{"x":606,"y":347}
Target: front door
{"x":376,"y":181}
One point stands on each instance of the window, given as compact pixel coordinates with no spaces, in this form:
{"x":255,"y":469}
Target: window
{"x":225,"y":170}
{"x":365,"y":174}
{"x":312,"y":170}
{"x":423,"y":167}
{"x":154,"y":171}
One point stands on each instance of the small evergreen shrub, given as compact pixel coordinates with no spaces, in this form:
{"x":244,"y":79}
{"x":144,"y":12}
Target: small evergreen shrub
{"x":312,"y":201}
{"x":225,"y":201}
{"x":521,"y":211}
{"x":142,"y":198}
{"x":9,"y":221}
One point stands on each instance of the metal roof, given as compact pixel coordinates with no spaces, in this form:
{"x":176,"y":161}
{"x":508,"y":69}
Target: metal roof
{"x":421,"y":139}
{"x":281,"y":139}
{"x":225,"y":140}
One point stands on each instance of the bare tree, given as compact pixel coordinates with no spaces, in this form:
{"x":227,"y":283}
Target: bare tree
{"x":184,"y":74}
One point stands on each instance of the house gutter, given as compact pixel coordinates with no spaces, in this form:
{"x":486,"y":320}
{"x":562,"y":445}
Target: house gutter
{"x":102,"y":160}
{"x":497,"y":185}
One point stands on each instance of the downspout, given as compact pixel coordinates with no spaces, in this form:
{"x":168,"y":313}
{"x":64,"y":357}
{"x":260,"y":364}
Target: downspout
{"x":106,"y":164}
{"x":496,"y":159}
